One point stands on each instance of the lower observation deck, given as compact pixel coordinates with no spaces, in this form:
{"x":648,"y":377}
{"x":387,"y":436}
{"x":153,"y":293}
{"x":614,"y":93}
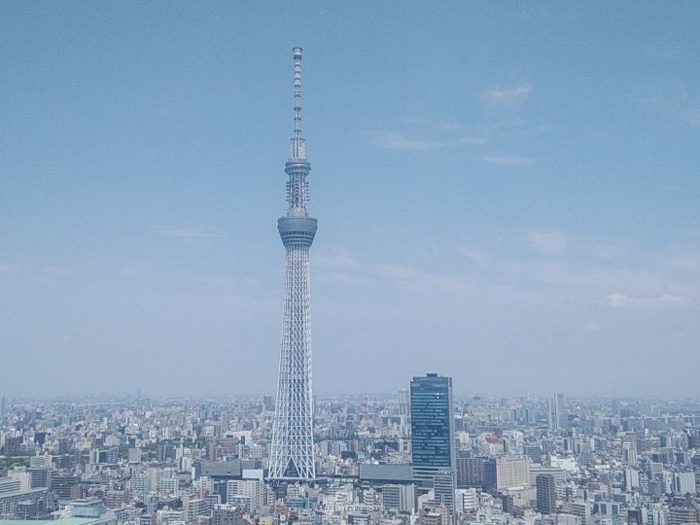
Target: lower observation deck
{"x":297,"y":230}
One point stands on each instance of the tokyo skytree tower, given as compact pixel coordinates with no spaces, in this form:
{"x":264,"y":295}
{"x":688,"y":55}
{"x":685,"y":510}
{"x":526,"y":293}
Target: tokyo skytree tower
{"x":292,"y":450}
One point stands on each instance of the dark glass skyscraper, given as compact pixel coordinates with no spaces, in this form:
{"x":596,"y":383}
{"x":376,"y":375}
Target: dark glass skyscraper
{"x":433,"y":436}
{"x":432,"y":422}
{"x":546,"y":494}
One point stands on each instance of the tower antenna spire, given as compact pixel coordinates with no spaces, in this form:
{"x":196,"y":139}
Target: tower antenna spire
{"x":298,"y":151}
{"x":297,"y":167}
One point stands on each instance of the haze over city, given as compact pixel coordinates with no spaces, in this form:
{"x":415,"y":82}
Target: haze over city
{"x":507,"y":194}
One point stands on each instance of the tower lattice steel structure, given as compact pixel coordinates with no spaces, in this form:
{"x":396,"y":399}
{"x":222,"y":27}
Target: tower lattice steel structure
{"x":292,"y":451}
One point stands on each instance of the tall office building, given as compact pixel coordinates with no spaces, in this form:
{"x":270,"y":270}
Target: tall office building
{"x":556,"y":418}
{"x":631,"y":479}
{"x":470,"y":471}
{"x":404,"y":402}
{"x":506,"y":473}
{"x":629,"y":453}
{"x":546,"y":494}
{"x":433,"y":436}
{"x":684,"y":482}
{"x":398,"y":498}
{"x":292,"y":448}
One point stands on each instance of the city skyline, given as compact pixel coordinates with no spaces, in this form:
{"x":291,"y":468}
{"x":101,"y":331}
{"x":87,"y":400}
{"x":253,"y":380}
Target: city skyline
{"x":509,"y":197}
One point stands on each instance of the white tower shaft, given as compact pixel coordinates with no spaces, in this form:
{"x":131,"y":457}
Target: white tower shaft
{"x":292,"y":449}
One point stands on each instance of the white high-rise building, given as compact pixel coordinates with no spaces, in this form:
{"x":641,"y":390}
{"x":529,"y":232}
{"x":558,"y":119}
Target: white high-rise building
{"x":404,"y":402}
{"x":248,"y":493}
{"x":556,"y":418}
{"x":398,"y":498}
{"x":629,"y":452}
{"x":631,"y":479}
{"x":684,"y":482}
{"x":44,"y":461}
{"x":465,"y":500}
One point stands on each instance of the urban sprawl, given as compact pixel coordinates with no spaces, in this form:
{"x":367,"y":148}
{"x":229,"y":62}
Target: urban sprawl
{"x":420,"y":457}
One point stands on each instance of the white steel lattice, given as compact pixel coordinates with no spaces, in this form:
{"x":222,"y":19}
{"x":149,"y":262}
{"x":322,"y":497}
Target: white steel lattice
{"x":292,"y":452}
{"x":292,"y":449}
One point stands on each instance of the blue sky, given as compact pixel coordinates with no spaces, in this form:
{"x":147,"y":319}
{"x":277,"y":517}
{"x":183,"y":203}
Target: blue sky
{"x":508,"y":193}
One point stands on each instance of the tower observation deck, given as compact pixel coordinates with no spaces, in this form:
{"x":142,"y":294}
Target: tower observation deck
{"x":292,"y":449}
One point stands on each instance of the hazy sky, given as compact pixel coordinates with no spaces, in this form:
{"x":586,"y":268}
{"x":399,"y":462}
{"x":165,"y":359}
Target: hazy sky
{"x":507,"y":193}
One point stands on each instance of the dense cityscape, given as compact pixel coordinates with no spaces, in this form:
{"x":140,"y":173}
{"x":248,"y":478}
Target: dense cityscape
{"x":516,"y":461}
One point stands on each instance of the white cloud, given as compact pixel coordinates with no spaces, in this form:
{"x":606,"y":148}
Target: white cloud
{"x":547,"y":242}
{"x":608,"y":250}
{"x":476,"y":256}
{"x":677,"y":103}
{"x":392,"y":140}
{"x":447,"y":126}
{"x":440,"y":125}
{"x":543,"y":129}
{"x":137,"y":269}
{"x":56,"y":271}
{"x":622,"y":301}
{"x":342,"y":278}
{"x":472,"y":140}
{"x":662,"y":53}
{"x":442,"y":133}
{"x":423,"y":281}
{"x":685,"y":262}
{"x":336,"y":260}
{"x":510,"y":98}
{"x":683,"y":106}
{"x":397,"y":272}
{"x":10,"y":268}
{"x":502,"y":160}
{"x":206,"y":232}
{"x":340,"y":267}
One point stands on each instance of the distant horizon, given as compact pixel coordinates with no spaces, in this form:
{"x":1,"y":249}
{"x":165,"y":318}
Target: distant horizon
{"x":325,"y":397}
